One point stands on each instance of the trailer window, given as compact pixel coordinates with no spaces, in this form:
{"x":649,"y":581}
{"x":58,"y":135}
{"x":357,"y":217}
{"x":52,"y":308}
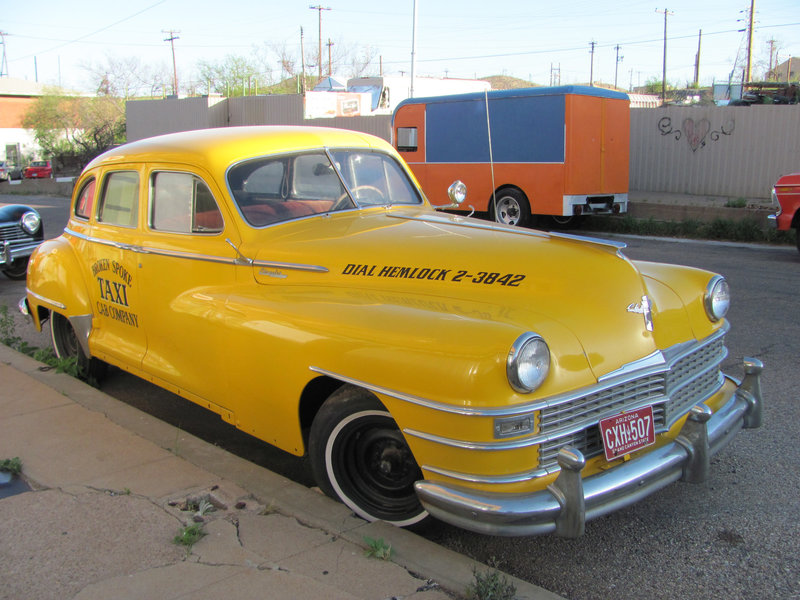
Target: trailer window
{"x":407,"y":139}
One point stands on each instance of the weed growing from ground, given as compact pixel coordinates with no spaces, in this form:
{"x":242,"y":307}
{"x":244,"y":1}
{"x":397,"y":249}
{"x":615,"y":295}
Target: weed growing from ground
{"x":11,"y":465}
{"x":377,"y":548}
{"x":745,"y":230}
{"x":9,"y":337}
{"x":188,"y":536}
{"x":491,"y":585}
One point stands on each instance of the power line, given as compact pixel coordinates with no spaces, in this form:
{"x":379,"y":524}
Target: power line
{"x":83,"y":37}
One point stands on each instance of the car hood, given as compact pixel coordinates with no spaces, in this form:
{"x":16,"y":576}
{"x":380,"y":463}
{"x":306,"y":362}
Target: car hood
{"x":13,"y":212}
{"x":533,"y":281}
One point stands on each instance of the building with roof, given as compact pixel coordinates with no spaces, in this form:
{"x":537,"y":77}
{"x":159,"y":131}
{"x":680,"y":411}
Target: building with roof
{"x":17,"y":144}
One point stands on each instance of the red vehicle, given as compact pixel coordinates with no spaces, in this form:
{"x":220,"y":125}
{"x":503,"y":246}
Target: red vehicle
{"x":38,"y":169}
{"x":786,"y":195}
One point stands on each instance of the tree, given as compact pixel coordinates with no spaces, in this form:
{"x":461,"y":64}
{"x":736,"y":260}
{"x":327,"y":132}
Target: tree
{"x":234,"y":75}
{"x":127,"y":77}
{"x":72,"y":130}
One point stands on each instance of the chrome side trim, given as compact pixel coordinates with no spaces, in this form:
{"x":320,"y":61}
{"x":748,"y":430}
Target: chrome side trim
{"x":565,"y":506}
{"x":432,"y":404}
{"x":291,"y":266}
{"x":45,"y":299}
{"x":195,"y":256}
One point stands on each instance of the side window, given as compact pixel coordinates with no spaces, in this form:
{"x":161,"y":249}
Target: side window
{"x":182,"y":203}
{"x":119,"y":202}
{"x":85,"y":203}
{"x":407,"y":139}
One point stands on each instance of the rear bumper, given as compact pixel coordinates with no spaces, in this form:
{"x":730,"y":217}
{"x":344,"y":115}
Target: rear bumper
{"x":595,"y":204}
{"x":566,"y":505}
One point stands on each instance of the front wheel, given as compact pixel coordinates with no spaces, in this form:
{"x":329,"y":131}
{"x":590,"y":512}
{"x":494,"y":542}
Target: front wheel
{"x":510,"y":207}
{"x":359,"y":456}
{"x":67,"y":346}
{"x":18,"y":269}
{"x":798,"y":239}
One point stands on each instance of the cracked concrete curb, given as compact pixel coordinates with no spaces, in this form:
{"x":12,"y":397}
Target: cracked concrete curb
{"x":421,"y":558}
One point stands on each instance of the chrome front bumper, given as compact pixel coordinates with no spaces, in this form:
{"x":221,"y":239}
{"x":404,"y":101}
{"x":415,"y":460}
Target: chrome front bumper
{"x":9,"y":253}
{"x":566,"y":505}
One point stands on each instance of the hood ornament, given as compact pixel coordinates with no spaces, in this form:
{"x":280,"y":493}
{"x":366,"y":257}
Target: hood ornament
{"x":643,"y":308}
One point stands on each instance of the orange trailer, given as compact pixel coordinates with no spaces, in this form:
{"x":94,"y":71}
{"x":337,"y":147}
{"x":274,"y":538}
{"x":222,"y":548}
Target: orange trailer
{"x":560,"y":151}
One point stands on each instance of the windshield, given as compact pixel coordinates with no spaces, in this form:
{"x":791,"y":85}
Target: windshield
{"x":280,"y":188}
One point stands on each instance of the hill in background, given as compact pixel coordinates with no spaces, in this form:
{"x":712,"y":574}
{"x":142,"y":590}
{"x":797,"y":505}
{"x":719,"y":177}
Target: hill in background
{"x":503,"y":82}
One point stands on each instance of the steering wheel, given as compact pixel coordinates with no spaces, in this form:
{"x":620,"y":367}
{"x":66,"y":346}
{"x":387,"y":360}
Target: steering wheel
{"x":355,"y":190}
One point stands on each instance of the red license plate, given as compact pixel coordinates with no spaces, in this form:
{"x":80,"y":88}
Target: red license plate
{"x":627,"y":432}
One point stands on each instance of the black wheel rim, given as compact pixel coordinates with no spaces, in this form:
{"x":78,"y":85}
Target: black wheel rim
{"x":375,"y":469}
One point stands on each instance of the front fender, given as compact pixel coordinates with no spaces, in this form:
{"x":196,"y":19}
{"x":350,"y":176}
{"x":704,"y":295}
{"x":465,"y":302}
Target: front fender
{"x":56,"y":282}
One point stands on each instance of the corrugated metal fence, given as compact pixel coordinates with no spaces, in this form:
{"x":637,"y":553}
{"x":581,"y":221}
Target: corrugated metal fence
{"x":736,"y":151}
{"x":709,"y":151}
{"x":147,"y":118}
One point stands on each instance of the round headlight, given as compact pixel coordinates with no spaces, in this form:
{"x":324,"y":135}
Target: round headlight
{"x":457,"y":192}
{"x":31,"y":222}
{"x":717,"y":298}
{"x":528,"y":363}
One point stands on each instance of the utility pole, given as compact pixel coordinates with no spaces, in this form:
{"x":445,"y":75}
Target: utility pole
{"x":555,"y":75}
{"x":616,"y":66}
{"x":4,"y":64}
{"x":330,"y":60}
{"x":413,"y":50}
{"x":771,"y":54}
{"x":748,"y":70}
{"x":171,"y":39}
{"x":319,"y":8}
{"x":591,"y":64}
{"x":697,"y":60}
{"x":302,"y":64}
{"x":664,"y":66}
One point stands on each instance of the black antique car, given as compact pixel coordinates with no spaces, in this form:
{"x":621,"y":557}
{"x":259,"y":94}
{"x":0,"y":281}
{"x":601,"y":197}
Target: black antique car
{"x":21,"y":232}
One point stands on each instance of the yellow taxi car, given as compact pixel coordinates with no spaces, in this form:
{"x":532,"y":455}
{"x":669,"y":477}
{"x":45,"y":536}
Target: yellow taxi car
{"x":297,"y":282}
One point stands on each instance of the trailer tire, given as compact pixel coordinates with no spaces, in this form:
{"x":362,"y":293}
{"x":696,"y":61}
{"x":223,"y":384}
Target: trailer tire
{"x":509,"y":206}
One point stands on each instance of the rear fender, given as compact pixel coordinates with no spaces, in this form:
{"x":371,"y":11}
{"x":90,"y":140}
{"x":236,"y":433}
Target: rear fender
{"x":56,"y":283}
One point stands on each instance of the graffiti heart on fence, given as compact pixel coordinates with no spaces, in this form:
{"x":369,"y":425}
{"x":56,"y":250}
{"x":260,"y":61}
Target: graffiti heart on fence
{"x":696,"y":132}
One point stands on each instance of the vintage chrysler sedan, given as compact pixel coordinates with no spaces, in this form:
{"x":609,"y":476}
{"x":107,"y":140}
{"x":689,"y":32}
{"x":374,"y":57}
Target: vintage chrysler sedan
{"x":296,"y":282}
{"x":21,"y":232}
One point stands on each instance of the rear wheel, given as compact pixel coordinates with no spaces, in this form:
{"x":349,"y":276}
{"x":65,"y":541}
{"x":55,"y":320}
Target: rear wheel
{"x":359,"y":456}
{"x":510,"y":207}
{"x":67,"y":346}
{"x":798,"y":239}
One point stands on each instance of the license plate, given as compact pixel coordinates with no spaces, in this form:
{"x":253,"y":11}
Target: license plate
{"x":627,"y":432}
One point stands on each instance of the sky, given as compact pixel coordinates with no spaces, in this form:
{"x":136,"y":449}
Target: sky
{"x":544,"y":41}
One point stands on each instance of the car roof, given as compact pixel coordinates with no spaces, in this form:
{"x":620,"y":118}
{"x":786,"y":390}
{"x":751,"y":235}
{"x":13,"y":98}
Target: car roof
{"x":216,"y":149}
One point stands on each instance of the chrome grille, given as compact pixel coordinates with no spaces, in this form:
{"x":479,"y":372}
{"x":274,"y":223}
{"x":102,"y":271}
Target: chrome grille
{"x":12,"y":232}
{"x":690,"y":378}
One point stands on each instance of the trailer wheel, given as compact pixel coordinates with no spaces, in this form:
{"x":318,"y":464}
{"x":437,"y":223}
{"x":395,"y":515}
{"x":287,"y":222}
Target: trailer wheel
{"x":510,"y":207}
{"x":569,"y":222}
